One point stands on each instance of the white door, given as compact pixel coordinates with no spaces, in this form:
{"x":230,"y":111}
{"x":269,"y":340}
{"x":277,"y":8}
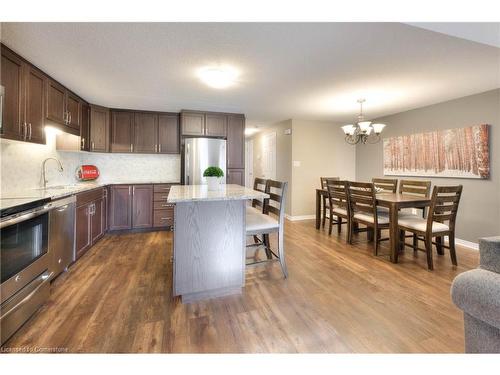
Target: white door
{"x":249,"y":163}
{"x":268,"y":159}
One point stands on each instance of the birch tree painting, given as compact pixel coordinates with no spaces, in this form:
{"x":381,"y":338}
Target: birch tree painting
{"x":462,"y":152}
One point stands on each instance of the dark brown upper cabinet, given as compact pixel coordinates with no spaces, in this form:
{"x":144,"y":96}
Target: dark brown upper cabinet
{"x":34,"y":105}
{"x":145,"y":132}
{"x":85,"y":128}
{"x":12,"y":82}
{"x":56,"y":102}
{"x":192,"y":123}
{"x":122,"y":128}
{"x":236,"y":142}
{"x":215,"y":125}
{"x":23,"y":99}
{"x":99,"y":129}
{"x":74,"y":108}
{"x":168,"y":133}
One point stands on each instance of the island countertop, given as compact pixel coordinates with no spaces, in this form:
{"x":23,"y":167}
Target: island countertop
{"x":226,"y":192}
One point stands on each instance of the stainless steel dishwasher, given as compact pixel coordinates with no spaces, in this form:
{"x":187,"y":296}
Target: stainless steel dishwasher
{"x":61,"y":234}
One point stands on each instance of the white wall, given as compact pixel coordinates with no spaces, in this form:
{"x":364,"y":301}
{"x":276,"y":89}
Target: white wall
{"x":21,"y":165}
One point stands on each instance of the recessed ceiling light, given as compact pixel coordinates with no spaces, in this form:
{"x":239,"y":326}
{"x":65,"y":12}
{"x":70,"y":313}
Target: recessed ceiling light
{"x":218,"y":77}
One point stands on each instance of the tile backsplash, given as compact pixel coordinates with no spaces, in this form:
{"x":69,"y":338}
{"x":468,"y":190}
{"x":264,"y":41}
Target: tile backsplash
{"x":21,"y":164}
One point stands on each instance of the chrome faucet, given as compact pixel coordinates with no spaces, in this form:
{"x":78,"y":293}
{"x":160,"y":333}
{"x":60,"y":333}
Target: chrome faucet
{"x":44,"y":172}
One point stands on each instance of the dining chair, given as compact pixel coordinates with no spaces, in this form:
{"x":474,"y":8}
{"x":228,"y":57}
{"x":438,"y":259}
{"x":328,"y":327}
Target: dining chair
{"x":385,"y":185}
{"x":418,"y":188}
{"x":324,"y":184}
{"x":363,"y":210}
{"x":271,"y":220}
{"x":444,"y":207}
{"x":339,"y":205}
{"x":257,"y":206}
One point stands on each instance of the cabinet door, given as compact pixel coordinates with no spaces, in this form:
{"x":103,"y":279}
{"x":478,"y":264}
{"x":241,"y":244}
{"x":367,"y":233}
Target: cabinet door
{"x":192,"y":123}
{"x":122,"y":123}
{"x":56,"y":102}
{"x":99,"y":129}
{"x":96,"y":223}
{"x":12,"y":81}
{"x":82,"y":230}
{"x":236,"y":176}
{"x":146,"y":132}
{"x":215,"y":125}
{"x":236,"y":142}
{"x":120,"y":207}
{"x":84,"y":128}
{"x":168,"y":134}
{"x":73,"y":107}
{"x":142,"y":202}
{"x":34,"y":115}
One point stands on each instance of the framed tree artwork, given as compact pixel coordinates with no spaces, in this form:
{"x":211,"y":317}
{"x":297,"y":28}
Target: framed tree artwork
{"x":458,"y":153}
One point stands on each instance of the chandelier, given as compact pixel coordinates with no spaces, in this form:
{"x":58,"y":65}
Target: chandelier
{"x":363,"y":131}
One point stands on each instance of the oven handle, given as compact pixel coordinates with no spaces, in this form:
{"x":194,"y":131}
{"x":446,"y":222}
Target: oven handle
{"x":26,"y":216}
{"x":45,"y":278}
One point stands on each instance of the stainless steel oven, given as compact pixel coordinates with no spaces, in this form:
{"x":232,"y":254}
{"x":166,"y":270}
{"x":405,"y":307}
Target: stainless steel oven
{"x":24,"y":259}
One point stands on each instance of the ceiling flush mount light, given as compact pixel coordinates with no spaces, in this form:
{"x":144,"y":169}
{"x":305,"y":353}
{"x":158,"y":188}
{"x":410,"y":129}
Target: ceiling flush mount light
{"x":218,"y":77}
{"x":363,"y":131}
{"x":251,"y":130}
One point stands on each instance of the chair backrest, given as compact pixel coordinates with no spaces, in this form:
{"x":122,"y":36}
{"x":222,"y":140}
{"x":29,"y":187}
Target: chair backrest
{"x":444,"y":205}
{"x":275,"y":204}
{"x":388,"y":185}
{"x":337,"y":194}
{"x":259,"y":184}
{"x":324,"y":181}
{"x":415,"y":187}
{"x":361,"y":198}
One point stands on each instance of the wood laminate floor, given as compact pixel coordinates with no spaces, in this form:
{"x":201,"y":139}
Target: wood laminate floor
{"x":338,"y":298}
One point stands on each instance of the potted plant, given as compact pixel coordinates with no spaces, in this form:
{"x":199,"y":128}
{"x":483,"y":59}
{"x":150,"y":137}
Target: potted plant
{"x":213,"y":175}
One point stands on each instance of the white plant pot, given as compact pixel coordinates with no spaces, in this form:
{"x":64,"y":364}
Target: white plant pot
{"x":213,"y":183}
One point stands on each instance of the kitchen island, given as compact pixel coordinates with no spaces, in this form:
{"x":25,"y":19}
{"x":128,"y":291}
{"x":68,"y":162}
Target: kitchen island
{"x":209,"y":240}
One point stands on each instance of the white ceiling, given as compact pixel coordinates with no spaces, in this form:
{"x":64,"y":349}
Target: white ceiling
{"x":310,"y":71}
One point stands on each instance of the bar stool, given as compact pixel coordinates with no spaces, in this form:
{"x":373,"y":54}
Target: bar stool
{"x":263,"y":224}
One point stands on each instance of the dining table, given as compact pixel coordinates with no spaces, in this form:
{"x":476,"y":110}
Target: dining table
{"x":394,"y":202}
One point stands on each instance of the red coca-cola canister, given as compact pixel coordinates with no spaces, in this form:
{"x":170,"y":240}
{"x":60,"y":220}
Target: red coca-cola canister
{"x":87,"y":172}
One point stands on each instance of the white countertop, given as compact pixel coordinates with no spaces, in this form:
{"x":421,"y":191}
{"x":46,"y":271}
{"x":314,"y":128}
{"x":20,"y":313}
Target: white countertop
{"x":18,"y":197}
{"x":193,"y":193}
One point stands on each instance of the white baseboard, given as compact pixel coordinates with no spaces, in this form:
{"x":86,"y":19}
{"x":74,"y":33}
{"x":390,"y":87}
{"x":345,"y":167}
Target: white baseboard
{"x":299,"y":218}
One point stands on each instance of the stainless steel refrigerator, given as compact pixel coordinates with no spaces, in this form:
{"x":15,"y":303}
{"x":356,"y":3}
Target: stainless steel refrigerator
{"x":201,"y":153}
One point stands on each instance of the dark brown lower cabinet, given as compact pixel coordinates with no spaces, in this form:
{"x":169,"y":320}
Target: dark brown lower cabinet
{"x":142,"y":206}
{"x":120,"y":207}
{"x":236,"y":176}
{"x":90,"y":219}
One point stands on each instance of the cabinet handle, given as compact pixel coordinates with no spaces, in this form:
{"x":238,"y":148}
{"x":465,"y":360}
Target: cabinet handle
{"x":65,"y":117}
{"x":93,"y":145}
{"x":83,"y":143}
{"x":69,"y":121}
{"x":165,"y":218}
{"x":159,"y":148}
{"x":30,"y":130}
{"x":129,"y":190}
{"x":131,"y":149}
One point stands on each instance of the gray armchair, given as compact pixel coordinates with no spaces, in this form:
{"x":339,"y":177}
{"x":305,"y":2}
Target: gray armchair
{"x":477,"y":293}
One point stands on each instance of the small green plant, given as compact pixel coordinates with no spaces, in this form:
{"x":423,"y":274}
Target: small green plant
{"x":213,"y":172}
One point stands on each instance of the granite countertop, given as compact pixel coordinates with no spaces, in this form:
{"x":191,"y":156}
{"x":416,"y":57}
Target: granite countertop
{"x":15,"y":198}
{"x":194,"y":193}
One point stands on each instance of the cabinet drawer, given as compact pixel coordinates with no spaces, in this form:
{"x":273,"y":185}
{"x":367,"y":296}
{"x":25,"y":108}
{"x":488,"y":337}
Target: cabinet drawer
{"x":88,"y":196}
{"x":163,"y":218}
{"x":162,"y":205}
{"x":160,"y":197}
{"x":163,"y":188}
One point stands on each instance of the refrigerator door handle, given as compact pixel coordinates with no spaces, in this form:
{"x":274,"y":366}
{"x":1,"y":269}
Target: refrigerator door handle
{"x":187,"y":164}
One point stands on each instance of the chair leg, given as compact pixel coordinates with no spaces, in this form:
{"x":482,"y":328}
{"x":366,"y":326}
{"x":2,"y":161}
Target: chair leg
{"x":281,"y":253}
{"x":415,"y":244}
{"x":428,"y":250}
{"x":330,"y":225}
{"x":375,"y":241}
{"x":351,"y":230}
{"x":402,"y":235}
{"x":451,"y":243}
{"x":267,"y":244}
{"x":324,"y":215}
{"x":339,"y":224}
{"x":439,"y":245}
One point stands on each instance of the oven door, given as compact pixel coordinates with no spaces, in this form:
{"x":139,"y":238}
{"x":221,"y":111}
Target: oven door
{"x":23,"y":250}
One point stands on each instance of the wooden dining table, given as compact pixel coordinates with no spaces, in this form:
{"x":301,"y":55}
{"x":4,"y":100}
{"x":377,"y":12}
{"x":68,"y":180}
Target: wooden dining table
{"x":394,"y":202}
